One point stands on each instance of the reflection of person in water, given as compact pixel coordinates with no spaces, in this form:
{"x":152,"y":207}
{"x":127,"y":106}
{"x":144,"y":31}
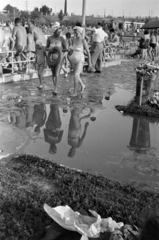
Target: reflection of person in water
{"x":39,"y":116}
{"x":19,"y":120}
{"x":53,"y":133}
{"x":74,"y":132}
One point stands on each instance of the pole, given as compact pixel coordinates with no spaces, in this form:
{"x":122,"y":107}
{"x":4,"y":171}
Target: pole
{"x":84,"y":16}
{"x":14,"y":13}
{"x":141,"y":88}
{"x":84,"y":13}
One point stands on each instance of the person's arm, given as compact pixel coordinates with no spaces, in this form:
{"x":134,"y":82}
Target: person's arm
{"x":83,"y":136}
{"x":91,"y":29}
{"x":88,"y":52}
{"x":47,"y":44}
{"x":64,"y":45}
{"x":11,"y":42}
{"x":13,"y":37}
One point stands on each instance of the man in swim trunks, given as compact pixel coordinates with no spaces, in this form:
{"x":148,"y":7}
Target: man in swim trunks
{"x":37,"y":33}
{"x":2,"y":40}
{"x":114,"y":38}
{"x":19,"y":37}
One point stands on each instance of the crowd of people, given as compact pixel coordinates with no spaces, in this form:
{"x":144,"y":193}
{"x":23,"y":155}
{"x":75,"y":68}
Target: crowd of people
{"x":72,"y":47}
{"x":148,"y":46}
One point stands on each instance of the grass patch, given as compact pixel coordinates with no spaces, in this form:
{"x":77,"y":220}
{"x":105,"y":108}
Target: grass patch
{"x":134,"y":108}
{"x":27,"y":182}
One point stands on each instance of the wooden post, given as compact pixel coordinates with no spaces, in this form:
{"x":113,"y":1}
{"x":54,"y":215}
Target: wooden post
{"x":141,"y":88}
{"x":84,"y":16}
{"x":12,"y":64}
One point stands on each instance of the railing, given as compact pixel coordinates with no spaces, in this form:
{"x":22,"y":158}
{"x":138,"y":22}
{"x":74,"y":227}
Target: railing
{"x":12,"y":62}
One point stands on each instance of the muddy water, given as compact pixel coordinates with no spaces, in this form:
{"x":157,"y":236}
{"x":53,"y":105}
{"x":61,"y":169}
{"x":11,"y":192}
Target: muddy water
{"x":95,"y":138}
{"x":88,"y":133}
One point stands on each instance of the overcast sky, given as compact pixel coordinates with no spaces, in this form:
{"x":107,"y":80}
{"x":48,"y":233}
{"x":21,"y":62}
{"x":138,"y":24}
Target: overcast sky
{"x":97,"y":7}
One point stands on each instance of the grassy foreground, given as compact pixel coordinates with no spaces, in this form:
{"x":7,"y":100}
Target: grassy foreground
{"x":27,"y":182}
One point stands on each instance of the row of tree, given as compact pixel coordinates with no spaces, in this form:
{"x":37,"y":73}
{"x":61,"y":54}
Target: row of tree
{"x":37,"y":13}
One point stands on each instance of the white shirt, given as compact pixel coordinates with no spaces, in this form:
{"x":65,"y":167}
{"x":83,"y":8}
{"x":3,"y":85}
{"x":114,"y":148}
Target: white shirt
{"x":99,"y":35}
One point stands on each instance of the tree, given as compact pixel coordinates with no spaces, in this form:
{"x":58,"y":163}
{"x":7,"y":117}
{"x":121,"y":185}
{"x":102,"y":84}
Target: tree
{"x":12,"y":11}
{"x":35,"y":13}
{"x":61,"y":15}
{"x":24,"y":14}
{"x":45,"y":10}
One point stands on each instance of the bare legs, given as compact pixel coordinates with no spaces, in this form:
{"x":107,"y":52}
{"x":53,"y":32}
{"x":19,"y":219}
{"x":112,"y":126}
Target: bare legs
{"x":55,"y":76}
{"x":78,"y":69}
{"x":40,"y":69}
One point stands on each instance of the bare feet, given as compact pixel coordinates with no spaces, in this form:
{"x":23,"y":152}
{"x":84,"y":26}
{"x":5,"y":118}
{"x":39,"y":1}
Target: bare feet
{"x":54,"y":93}
{"x":65,"y":75}
{"x":73,"y":95}
{"x":40,"y":87}
{"x":82,"y":88}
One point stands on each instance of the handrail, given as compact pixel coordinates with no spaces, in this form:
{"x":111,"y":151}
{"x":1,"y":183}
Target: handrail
{"x":13,"y":62}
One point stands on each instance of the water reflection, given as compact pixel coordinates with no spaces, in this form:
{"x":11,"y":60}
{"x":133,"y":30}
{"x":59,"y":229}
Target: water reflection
{"x":29,"y":116}
{"x":52,"y":131}
{"x":75,"y":135}
{"x":140,"y":137}
{"x":39,"y":117}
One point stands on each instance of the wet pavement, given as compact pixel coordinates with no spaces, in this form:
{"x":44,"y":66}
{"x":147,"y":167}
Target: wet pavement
{"x":86,"y":132}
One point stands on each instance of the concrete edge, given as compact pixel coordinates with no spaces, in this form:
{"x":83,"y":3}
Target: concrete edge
{"x":7,"y":78}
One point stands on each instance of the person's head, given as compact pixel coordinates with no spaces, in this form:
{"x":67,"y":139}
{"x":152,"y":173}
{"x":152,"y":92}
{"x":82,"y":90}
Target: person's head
{"x":78,"y":24}
{"x":65,"y":110}
{"x":112,"y":30}
{"x":28,"y":30}
{"x":78,"y":31}
{"x":155,"y":33}
{"x":68,"y":35}
{"x":72,"y":152}
{"x":92,"y":118}
{"x":31,"y":24}
{"x":146,"y":32}
{"x":152,"y":33}
{"x":57,"y":29}
{"x":8,"y":23}
{"x":17,"y":21}
{"x":107,"y":97}
{"x":99,"y":25}
{"x":53,"y":149}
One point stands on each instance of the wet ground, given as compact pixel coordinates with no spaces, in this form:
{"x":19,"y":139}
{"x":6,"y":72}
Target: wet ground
{"x":87,"y":132}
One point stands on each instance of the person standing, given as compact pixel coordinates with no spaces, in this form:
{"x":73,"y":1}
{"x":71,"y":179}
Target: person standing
{"x":98,"y":46}
{"x":56,"y":45}
{"x":77,"y":58}
{"x":75,"y":139}
{"x":19,"y":37}
{"x":37,"y":33}
{"x":40,"y":61}
{"x":52,"y":131}
{"x":30,"y":43}
{"x":153,"y":44}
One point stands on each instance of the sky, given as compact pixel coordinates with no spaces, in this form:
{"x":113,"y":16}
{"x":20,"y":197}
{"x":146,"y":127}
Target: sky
{"x":128,"y":8}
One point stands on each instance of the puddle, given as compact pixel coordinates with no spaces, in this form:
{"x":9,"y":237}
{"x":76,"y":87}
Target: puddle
{"x":93,"y":137}
{"x":87,"y":132}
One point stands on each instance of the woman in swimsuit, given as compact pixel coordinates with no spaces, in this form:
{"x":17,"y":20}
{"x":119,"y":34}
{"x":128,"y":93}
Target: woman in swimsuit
{"x":77,"y":58}
{"x":74,"y":133}
{"x":53,"y":132}
{"x":56,"y":40}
